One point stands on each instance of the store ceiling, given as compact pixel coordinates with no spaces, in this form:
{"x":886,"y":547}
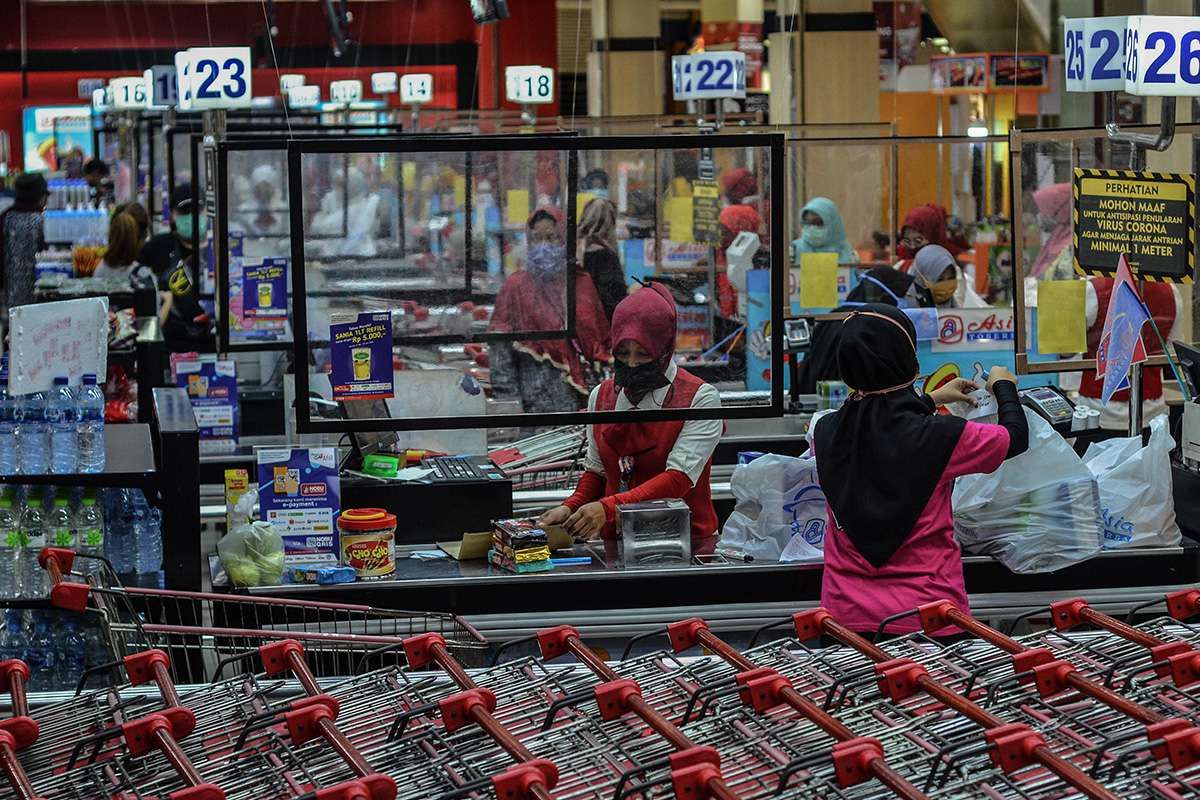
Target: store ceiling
{"x":992,"y":26}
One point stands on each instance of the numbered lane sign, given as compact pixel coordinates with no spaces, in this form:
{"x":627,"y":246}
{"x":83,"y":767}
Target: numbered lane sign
{"x":162,"y":87}
{"x":384,"y":82}
{"x":1094,"y":54}
{"x":101,"y":101}
{"x":709,"y":76}
{"x":289,"y":81}
{"x":183,"y":80}
{"x":416,"y":89}
{"x":345,"y":91}
{"x":303,"y":96}
{"x":217,"y":77}
{"x":1162,"y":56}
{"x":128,"y":93}
{"x":529,"y":85}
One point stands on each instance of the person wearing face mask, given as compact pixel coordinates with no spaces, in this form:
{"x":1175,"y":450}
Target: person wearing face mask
{"x":923,"y":226}
{"x":887,"y":463}
{"x":595,"y":183}
{"x":937,"y":272}
{"x":186,"y":325}
{"x":598,"y":234}
{"x":823,"y":232}
{"x":1054,"y":260}
{"x":547,"y":375}
{"x":632,"y":462}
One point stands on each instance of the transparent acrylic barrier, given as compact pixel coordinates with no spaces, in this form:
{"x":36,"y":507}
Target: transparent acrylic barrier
{"x":1044,"y":164}
{"x":481,"y":286}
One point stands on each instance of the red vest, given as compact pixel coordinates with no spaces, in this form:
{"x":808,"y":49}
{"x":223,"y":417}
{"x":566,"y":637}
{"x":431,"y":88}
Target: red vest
{"x":1160,"y":299}
{"x":646,"y":445}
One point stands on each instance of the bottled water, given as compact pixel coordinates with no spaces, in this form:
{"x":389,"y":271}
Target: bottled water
{"x":89,"y":532}
{"x":9,"y":457}
{"x":90,"y":401}
{"x":62,"y":524}
{"x":32,"y":434}
{"x":119,"y":544}
{"x":33,"y":532}
{"x":40,"y":658}
{"x":13,"y":642}
{"x":147,"y":538}
{"x":62,"y":416}
{"x":12,"y":548}
{"x":72,"y":655}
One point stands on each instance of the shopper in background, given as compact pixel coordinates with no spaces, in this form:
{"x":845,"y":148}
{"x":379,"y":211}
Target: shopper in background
{"x":186,"y":325}
{"x":100,"y":186}
{"x":632,"y":462}
{"x":887,"y":463}
{"x":923,"y":226}
{"x":880,"y":285}
{"x":264,"y":212}
{"x":552,"y":374}
{"x":21,"y":238}
{"x":595,"y":182}
{"x":127,"y":231}
{"x":1054,"y":261}
{"x":936,"y":271}
{"x":597,"y":234}
{"x":823,"y":232}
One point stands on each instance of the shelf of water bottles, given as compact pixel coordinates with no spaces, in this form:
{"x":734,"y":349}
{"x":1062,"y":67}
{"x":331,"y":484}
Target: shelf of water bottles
{"x":70,"y":217}
{"x":58,"y":646}
{"x":118,"y":524}
{"x":60,"y":432}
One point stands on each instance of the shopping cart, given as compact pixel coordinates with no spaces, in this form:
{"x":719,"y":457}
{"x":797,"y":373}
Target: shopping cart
{"x":201,"y":631}
{"x":546,"y":461}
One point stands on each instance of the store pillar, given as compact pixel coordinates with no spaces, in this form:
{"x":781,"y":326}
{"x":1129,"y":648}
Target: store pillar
{"x":626,"y":72}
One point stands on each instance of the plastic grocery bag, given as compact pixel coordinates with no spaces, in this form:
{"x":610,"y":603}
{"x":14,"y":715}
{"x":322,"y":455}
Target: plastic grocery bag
{"x":779,"y":511}
{"x":1039,"y":512}
{"x":252,"y":553}
{"x":1136,"y":504}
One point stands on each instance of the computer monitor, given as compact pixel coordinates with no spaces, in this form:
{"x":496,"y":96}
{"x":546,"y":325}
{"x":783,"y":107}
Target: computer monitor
{"x":364,"y":443}
{"x":1189,"y":364}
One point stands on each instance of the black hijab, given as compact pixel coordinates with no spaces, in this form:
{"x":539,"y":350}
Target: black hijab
{"x":882,"y":454}
{"x":880,"y":285}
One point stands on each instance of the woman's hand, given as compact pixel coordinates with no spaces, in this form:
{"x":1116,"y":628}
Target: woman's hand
{"x":555,"y":516}
{"x":587,"y":522}
{"x":957,"y":390}
{"x":999,"y":373}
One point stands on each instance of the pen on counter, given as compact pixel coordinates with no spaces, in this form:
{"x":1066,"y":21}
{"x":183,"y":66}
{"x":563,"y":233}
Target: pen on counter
{"x":571,"y":561}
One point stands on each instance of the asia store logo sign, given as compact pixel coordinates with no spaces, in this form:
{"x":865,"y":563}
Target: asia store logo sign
{"x":993,"y":328}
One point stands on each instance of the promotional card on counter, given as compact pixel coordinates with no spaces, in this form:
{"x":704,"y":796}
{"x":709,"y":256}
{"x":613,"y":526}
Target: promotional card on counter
{"x":264,"y":288}
{"x":212,"y":389}
{"x":299,"y":494}
{"x":361,"y":352}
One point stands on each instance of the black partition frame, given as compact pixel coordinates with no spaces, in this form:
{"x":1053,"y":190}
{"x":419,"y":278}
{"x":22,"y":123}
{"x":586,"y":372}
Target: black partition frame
{"x":772,"y":143}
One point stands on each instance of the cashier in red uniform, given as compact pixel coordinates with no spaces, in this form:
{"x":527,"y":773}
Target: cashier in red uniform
{"x":631,"y":462}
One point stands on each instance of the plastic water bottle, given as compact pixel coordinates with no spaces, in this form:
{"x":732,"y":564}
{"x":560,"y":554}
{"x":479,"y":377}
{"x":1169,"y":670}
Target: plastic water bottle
{"x":12,"y":547}
{"x":32,"y":434}
{"x":40,"y":658}
{"x":9,"y":457}
{"x":147,"y":537}
{"x":90,"y":401}
{"x":13,"y":642}
{"x":62,"y":415}
{"x":72,"y":655}
{"x":89,"y":532}
{"x":62,"y":524}
{"x":33,"y":533}
{"x":119,"y":544}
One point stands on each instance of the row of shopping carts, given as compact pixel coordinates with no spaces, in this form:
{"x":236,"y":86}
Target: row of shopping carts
{"x":1092,"y":706}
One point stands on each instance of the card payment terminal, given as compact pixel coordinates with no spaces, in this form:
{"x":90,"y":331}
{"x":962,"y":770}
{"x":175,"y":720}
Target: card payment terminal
{"x":1050,"y":404}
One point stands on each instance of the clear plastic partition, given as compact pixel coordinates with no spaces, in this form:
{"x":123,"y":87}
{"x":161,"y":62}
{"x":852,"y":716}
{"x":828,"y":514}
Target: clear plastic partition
{"x":1059,"y":324}
{"x":503,"y":269}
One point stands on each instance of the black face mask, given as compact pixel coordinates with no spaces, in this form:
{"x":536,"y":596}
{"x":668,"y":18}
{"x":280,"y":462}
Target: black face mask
{"x":640,"y":380}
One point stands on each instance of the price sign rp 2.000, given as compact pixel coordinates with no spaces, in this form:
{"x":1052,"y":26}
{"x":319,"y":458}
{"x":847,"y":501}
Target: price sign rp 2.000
{"x":709,"y":76}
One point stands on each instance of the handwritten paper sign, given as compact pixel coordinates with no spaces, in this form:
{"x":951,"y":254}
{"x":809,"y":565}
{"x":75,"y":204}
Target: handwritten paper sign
{"x":47,"y":340}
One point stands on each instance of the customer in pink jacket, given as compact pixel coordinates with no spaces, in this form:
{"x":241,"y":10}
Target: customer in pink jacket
{"x":887,"y":463}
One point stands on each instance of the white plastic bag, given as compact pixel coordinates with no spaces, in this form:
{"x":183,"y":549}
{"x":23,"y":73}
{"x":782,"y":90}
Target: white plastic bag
{"x":252,"y":553}
{"x":779,"y":513}
{"x":1136,"y":504}
{"x":1039,"y":512}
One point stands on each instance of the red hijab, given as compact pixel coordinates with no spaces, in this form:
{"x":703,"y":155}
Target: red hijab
{"x":1054,"y":203}
{"x":928,"y":220}
{"x":739,"y":184}
{"x":526,"y":303}
{"x":647,"y":317}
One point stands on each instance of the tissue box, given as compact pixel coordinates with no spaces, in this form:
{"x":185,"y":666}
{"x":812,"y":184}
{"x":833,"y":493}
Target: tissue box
{"x":655,"y":533}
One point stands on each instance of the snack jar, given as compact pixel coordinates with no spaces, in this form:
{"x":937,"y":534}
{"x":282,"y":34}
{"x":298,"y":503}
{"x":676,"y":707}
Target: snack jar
{"x":368,"y":541}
